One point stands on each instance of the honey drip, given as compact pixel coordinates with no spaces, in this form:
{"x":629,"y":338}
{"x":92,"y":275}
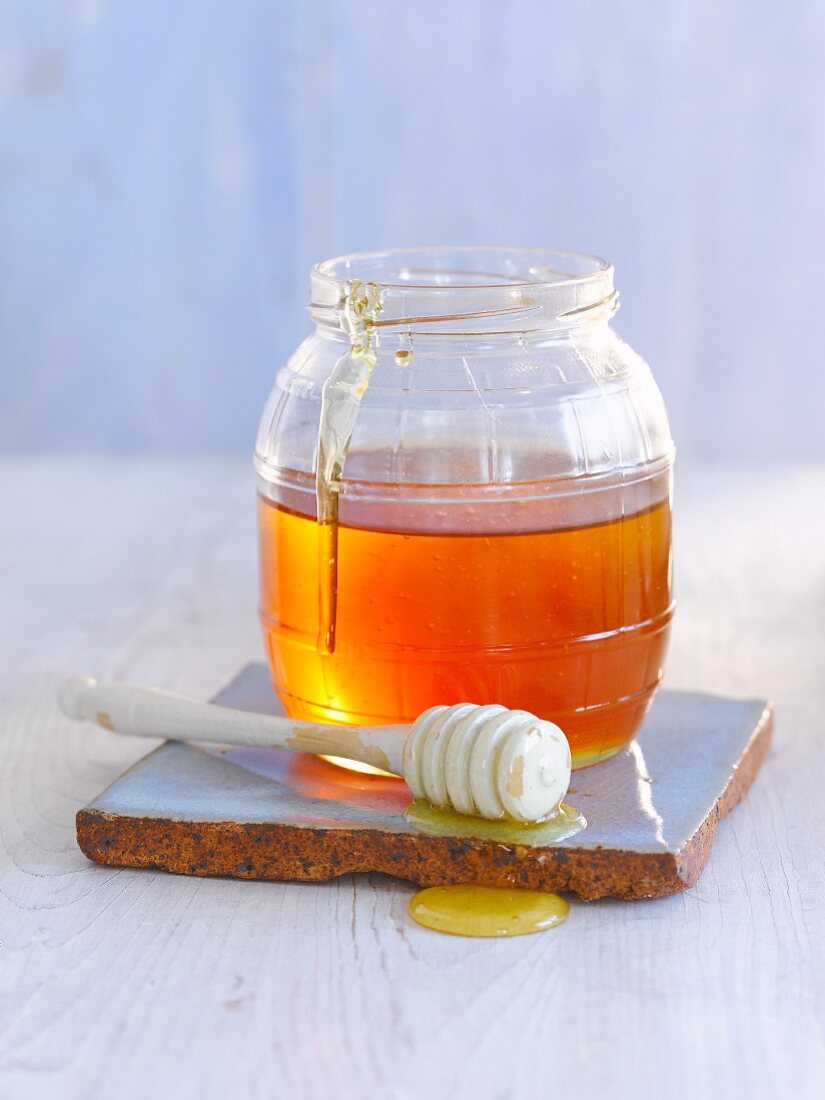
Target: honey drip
{"x":566,"y":822}
{"x":487,"y":910}
{"x":340,"y":401}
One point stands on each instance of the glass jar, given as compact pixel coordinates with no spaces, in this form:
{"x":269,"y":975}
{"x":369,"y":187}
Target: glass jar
{"x":464,"y":495}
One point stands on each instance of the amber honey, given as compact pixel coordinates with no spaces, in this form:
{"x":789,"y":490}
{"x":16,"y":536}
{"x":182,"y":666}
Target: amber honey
{"x":562,"y":610}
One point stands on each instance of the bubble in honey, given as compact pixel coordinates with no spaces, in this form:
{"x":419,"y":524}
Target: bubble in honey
{"x":487,"y":910}
{"x":565,"y":822}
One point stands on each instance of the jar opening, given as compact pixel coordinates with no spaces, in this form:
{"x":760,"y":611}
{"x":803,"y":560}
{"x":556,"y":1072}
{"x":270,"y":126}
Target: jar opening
{"x":468,"y":291}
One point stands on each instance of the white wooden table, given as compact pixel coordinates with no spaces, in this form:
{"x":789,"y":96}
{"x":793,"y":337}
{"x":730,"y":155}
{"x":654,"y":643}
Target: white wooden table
{"x":136,"y":984}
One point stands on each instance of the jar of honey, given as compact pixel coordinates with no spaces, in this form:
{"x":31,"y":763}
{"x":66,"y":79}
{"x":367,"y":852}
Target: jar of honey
{"x":464,"y":495}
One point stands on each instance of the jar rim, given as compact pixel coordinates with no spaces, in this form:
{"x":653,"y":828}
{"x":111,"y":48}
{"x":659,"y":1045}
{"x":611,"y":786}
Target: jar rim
{"x":494,"y":288}
{"x":352,"y":261}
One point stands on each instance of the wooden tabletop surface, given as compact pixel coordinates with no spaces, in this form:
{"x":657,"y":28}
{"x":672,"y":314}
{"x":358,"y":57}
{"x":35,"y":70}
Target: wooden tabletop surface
{"x":135,"y":984}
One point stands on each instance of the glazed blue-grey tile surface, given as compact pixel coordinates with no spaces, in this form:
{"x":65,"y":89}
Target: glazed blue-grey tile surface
{"x":650,"y":797}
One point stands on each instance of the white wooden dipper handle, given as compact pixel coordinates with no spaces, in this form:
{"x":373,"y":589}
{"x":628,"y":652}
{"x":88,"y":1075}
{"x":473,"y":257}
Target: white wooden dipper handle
{"x":482,"y":760}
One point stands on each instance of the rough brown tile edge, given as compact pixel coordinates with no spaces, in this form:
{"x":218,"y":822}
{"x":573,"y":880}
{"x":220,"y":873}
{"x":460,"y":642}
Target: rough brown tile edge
{"x":289,"y":853}
{"x":694,"y":856}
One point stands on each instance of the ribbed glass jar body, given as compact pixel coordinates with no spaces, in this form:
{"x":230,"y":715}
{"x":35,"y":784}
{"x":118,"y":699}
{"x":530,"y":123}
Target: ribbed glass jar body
{"x":502,"y":509}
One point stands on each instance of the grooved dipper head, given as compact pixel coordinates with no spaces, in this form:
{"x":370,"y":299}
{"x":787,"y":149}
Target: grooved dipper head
{"x":488,"y":761}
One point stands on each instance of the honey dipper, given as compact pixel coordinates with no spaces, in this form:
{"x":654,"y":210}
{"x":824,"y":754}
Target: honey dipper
{"x":487,"y":761}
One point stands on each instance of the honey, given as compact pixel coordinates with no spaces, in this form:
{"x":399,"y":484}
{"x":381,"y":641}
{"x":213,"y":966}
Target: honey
{"x":487,"y":911}
{"x":560,"y":606}
{"x":564,"y":823}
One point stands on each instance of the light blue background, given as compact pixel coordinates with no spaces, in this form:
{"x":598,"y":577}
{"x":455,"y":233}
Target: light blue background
{"x":169,"y":170}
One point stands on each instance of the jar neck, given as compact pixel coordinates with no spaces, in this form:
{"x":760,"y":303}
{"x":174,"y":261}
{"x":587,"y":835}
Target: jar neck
{"x":485,"y":295}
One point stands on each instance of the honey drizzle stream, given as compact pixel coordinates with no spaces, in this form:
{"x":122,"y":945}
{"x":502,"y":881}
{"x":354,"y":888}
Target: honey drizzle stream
{"x":340,"y":401}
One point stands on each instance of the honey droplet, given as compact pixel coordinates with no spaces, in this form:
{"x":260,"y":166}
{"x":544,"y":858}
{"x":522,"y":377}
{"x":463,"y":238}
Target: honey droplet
{"x":402,"y":358}
{"x":487,"y":910}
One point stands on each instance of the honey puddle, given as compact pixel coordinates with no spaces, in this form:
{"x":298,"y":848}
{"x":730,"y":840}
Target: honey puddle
{"x":487,"y":910}
{"x":566,"y":822}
